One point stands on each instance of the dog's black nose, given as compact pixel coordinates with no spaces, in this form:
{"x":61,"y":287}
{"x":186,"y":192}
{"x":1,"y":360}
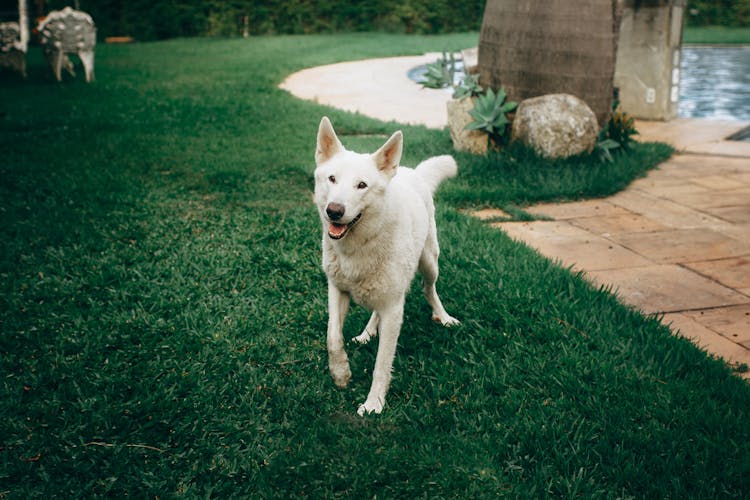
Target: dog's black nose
{"x":335,"y":211}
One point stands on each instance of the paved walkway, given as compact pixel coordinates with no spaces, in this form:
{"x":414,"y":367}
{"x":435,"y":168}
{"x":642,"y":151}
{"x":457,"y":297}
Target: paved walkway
{"x":676,"y":242}
{"x":376,"y":87}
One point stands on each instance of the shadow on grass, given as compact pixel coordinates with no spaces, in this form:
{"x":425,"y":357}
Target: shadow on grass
{"x":517,"y":176}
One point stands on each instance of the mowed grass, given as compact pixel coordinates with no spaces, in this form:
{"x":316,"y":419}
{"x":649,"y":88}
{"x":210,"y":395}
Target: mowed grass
{"x":716,"y":35}
{"x":163,"y":310}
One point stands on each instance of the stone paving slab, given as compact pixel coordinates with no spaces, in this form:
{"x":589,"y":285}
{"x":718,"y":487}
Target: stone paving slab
{"x":664,"y":211}
{"x":703,"y":164}
{"x":733,"y":214}
{"x":720,"y":182}
{"x":733,"y":272}
{"x":738,"y":231}
{"x":573,"y":246}
{"x":576,"y":209}
{"x":707,"y":339}
{"x":662,"y":288}
{"x":731,"y":322}
{"x":683,"y":245}
{"x":671,"y":189}
{"x":628,"y":222}
{"x":709,"y":199}
{"x":689,"y":135}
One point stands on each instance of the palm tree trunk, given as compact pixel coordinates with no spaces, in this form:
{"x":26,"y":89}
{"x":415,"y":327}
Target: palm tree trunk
{"x":538,"y":47}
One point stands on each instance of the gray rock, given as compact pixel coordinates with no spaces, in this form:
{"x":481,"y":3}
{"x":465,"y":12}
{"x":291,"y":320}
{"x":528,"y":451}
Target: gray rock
{"x":470,"y":57}
{"x":556,"y":125}
{"x":474,"y":141}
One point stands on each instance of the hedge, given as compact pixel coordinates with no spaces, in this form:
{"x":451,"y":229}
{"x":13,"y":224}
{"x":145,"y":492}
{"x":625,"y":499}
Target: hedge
{"x":159,"y":19}
{"x":730,"y":13}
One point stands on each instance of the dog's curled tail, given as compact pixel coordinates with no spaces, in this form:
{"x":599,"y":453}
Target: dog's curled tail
{"x":436,"y":169}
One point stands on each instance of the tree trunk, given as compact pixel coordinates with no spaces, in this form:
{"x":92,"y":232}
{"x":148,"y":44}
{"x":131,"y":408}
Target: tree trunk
{"x":23,"y":22}
{"x":538,"y":47}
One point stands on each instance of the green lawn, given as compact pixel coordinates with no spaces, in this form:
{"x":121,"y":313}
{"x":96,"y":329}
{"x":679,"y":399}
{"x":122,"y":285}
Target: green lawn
{"x":163,"y":308}
{"x":716,"y":35}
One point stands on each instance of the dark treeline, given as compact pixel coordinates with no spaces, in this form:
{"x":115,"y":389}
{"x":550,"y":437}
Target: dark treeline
{"x":159,"y":19}
{"x":731,"y":13}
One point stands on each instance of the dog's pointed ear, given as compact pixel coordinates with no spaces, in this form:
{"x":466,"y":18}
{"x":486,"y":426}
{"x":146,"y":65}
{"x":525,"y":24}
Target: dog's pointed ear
{"x":388,"y":156}
{"x":328,"y":143}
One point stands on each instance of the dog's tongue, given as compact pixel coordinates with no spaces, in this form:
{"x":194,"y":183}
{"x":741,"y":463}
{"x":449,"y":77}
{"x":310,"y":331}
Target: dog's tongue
{"x":336,"y":230}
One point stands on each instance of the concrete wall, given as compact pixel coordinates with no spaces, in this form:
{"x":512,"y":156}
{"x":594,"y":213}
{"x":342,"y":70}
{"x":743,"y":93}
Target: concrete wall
{"x":647,"y":72}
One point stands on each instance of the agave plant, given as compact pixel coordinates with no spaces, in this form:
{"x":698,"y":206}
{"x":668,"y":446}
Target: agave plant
{"x":440,"y":73}
{"x":489,"y":114}
{"x":469,"y":87}
{"x":605,"y":147}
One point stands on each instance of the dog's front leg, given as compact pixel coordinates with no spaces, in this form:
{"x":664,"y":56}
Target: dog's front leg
{"x":390,"y":327}
{"x":338,"y":362}
{"x":371,"y":330}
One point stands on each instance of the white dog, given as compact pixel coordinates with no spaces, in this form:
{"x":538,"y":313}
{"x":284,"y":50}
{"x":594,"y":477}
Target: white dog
{"x":378,"y":229}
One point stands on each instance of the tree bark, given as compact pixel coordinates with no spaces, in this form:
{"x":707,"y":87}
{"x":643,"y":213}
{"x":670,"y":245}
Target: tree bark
{"x":538,"y":47}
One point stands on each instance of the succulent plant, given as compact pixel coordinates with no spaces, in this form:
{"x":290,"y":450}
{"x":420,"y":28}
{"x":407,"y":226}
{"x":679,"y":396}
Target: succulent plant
{"x":469,"y":87}
{"x":489,"y":114}
{"x":440,"y":73}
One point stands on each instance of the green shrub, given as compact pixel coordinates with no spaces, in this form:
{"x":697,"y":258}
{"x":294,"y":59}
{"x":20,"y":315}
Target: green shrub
{"x":617,"y":134}
{"x":729,"y":13}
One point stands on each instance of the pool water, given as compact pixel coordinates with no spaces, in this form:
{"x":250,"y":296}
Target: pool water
{"x":715,"y":82}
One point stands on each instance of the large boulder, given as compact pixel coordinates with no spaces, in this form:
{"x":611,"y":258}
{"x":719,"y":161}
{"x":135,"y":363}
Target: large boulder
{"x":556,"y":125}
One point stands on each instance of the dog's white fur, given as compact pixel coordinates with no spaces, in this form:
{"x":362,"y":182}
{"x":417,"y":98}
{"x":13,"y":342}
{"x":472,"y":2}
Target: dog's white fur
{"x":378,"y":230}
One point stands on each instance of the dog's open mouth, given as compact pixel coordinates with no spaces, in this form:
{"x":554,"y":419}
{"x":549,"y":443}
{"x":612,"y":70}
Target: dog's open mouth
{"x":337,"y":231}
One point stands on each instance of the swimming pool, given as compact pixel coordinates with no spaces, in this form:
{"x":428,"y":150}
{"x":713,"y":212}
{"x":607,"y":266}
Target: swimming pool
{"x":715,"y":82}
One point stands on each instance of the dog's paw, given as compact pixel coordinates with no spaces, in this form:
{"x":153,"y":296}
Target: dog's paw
{"x":446,"y":320}
{"x":364,"y":337}
{"x":341,"y":374}
{"x":370,"y":406}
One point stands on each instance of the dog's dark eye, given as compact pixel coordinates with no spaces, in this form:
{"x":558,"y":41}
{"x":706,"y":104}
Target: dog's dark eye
{"x":361,"y":185}
{"x":332,"y":179}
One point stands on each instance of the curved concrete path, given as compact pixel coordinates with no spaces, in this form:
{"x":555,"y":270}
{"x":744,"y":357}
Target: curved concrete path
{"x":676,"y":242}
{"x":379,"y":88}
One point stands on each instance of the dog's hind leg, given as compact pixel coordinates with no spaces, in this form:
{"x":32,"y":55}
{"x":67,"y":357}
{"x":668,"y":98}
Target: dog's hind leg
{"x":390,"y":327}
{"x":338,"y":362}
{"x":371,"y":330}
{"x":428,"y":268}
